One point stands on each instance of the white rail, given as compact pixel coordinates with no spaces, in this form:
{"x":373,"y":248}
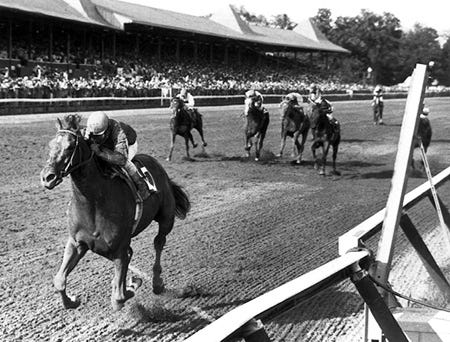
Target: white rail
{"x":311,"y":283}
{"x":298,"y":289}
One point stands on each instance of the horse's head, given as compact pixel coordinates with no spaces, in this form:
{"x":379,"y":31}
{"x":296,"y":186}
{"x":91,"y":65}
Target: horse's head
{"x":176,"y":104}
{"x":64,"y":149}
{"x":318,"y":113}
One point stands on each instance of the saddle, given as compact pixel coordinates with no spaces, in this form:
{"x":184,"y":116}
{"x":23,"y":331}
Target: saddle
{"x":111,"y":171}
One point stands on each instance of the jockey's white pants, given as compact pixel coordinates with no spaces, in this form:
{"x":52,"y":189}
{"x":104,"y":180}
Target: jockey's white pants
{"x":132,"y":150}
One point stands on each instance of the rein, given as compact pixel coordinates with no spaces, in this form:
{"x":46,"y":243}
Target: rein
{"x":70,"y":167}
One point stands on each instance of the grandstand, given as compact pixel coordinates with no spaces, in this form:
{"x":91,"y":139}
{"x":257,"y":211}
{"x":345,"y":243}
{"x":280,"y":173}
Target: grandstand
{"x":85,"y":48}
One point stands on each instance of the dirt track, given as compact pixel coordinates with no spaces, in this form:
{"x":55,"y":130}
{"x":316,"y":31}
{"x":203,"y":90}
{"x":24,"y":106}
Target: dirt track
{"x":253,"y":226}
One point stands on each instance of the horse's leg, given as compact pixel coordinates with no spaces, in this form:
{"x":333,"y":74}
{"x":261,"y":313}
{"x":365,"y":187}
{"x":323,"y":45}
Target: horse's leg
{"x":158,"y":243}
{"x":295,"y":146}
{"x":199,"y":129}
{"x":72,"y":254}
{"x":119,"y":294}
{"x":172,"y":144}
{"x":191,"y":138}
{"x":335,"y":151}
{"x":283,"y":144}
{"x":300,"y":147}
{"x":258,"y":145}
{"x":248,"y":145}
{"x":186,"y":140}
{"x":313,"y":151}
{"x":324,"y":157}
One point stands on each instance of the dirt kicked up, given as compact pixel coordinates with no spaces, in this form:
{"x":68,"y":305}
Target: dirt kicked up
{"x":253,"y":226}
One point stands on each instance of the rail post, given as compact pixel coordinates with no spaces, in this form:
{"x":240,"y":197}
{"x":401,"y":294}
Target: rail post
{"x":399,"y":182}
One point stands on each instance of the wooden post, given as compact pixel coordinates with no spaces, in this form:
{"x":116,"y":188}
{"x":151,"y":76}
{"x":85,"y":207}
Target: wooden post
{"x":398,"y":186}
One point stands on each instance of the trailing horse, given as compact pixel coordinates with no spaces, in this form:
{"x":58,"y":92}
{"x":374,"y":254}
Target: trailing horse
{"x":182,"y":122}
{"x":294,"y":122}
{"x":102,"y":211}
{"x":325,"y":134}
{"x":424,"y":133}
{"x":378,"y":107}
{"x":256,"y":123}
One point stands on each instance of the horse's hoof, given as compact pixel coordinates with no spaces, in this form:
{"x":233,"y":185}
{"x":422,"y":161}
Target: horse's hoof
{"x":278,"y":155}
{"x":322,"y":172}
{"x":256,"y":159}
{"x":167,"y":159}
{"x":336,"y":173}
{"x":194,"y":145}
{"x":71,"y":302}
{"x":298,"y":162}
{"x":117,"y":305}
{"x":158,"y":289}
{"x":205,"y":144}
{"x":134,"y":283}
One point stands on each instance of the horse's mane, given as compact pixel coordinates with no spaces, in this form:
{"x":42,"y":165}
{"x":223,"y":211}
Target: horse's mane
{"x":70,"y":122}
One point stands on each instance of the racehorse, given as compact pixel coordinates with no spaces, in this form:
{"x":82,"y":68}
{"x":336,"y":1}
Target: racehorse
{"x":102,"y":210}
{"x":378,"y":106}
{"x":424,"y":133}
{"x":294,"y":122}
{"x":256,"y":124}
{"x":182,"y":122}
{"x":325,"y":134}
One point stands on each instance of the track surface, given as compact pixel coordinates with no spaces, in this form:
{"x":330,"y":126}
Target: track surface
{"x":253,"y":226}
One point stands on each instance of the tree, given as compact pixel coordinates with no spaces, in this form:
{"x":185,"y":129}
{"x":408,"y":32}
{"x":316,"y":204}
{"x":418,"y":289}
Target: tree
{"x":252,"y":18}
{"x":419,"y":45}
{"x":373,"y":39}
{"x":323,"y":21}
{"x":283,"y":21}
{"x":443,"y":64}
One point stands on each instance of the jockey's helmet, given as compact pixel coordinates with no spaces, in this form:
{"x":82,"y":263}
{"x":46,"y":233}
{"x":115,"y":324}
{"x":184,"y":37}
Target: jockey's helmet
{"x":377,"y":89}
{"x":425,"y":111}
{"x":97,"y":123}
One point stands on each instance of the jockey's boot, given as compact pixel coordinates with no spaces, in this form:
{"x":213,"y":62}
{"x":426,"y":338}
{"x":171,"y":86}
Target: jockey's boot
{"x":141,"y":185}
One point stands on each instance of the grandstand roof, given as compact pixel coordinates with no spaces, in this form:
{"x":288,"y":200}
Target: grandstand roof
{"x":54,"y":8}
{"x":226,"y":23}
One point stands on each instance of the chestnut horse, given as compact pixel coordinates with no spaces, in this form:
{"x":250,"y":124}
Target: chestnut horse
{"x":256,"y":124}
{"x":102,"y":210}
{"x":325,"y":134}
{"x":182,"y":122}
{"x":294,"y":122}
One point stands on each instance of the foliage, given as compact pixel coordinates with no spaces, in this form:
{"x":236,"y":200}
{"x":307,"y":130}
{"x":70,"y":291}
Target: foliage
{"x":281,"y":21}
{"x":377,"y":41}
{"x":323,"y":20}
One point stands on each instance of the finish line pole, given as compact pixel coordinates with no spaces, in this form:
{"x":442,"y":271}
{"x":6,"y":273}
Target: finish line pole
{"x":399,"y":182}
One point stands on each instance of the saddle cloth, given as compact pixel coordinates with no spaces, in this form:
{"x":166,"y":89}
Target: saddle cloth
{"x":149,"y":180}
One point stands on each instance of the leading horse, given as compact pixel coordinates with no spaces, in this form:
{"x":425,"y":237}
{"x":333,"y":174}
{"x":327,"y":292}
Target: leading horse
{"x":325,"y":134}
{"x":102,"y":210}
{"x":294,"y":122}
{"x":182,"y":122}
{"x":256,"y":123}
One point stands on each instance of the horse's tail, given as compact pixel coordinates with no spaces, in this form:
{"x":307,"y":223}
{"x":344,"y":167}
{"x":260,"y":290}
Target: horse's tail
{"x":182,"y":203}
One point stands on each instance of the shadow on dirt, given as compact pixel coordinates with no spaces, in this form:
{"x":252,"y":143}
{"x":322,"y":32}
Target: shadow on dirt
{"x":359,"y":141}
{"x":348,"y":304}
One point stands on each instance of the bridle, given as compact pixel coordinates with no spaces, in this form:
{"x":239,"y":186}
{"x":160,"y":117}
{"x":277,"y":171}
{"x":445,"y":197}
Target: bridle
{"x":70,"y":167}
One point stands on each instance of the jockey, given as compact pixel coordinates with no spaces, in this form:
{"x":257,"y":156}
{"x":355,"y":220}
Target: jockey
{"x":115,"y":142}
{"x":294,"y":98}
{"x":189,"y":102}
{"x":378,"y":98}
{"x":425,"y":112}
{"x":253,"y":98}
{"x":314,"y":93}
{"x":188,"y":99}
{"x":325,"y":106}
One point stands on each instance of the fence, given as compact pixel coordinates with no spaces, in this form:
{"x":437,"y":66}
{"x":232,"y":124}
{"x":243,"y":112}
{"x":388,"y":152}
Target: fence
{"x":354,"y":262}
